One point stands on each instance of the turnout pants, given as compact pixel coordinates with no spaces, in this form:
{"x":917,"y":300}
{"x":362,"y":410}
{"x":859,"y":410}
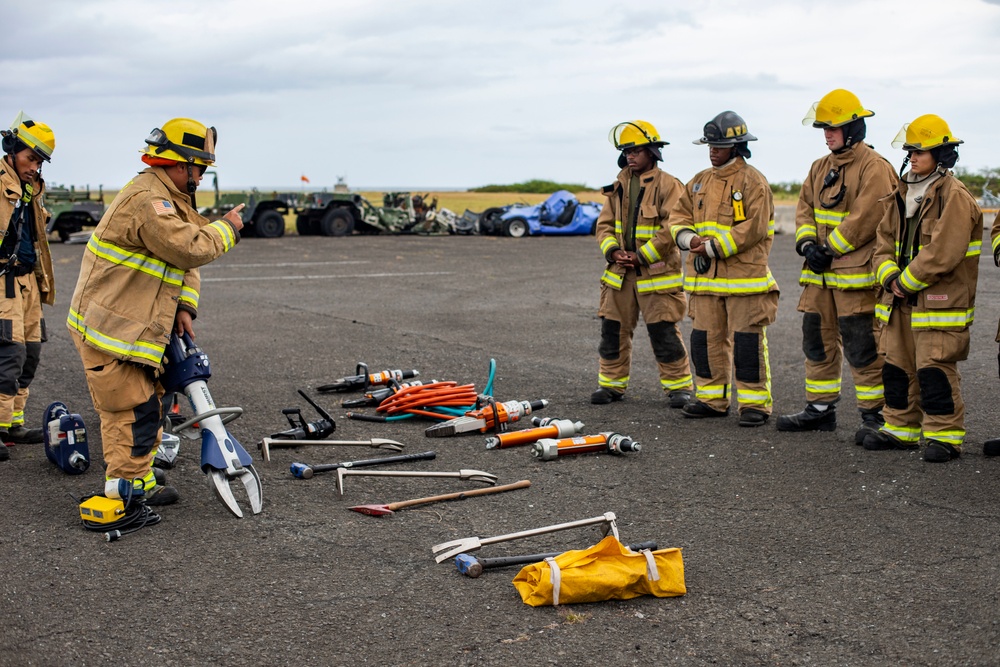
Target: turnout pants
{"x":922,"y":383}
{"x":127,"y":399}
{"x":22,"y":331}
{"x":838,"y":324}
{"x":731,"y":331}
{"x":619,"y":312}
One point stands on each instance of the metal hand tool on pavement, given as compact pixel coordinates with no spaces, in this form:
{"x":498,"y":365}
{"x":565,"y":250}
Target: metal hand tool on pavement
{"x":266,"y":444}
{"x":493,"y":417}
{"x":446,"y":550}
{"x":560,"y":428}
{"x":223,"y":459}
{"x":474,"y":475}
{"x":303,"y":430}
{"x":306,"y":471}
{"x":473,"y":566}
{"x":548,"y":449}
{"x":383,"y":510}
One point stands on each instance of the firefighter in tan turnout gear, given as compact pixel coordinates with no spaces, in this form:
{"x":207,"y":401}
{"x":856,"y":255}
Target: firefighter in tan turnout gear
{"x":26,"y":269}
{"x":927,"y":263}
{"x":643,"y":273}
{"x":838,"y":211}
{"x":138,"y":281}
{"x":725,"y":218}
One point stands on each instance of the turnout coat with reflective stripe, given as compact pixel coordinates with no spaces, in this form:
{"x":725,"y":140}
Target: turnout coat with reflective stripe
{"x":741,"y":246}
{"x":648,"y":236}
{"x":10,"y":195}
{"x":140,"y":265}
{"x":943,"y":273}
{"x":847,"y":227}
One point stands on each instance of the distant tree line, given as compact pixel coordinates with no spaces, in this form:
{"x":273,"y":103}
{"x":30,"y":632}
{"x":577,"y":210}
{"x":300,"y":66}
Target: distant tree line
{"x":976,"y":182}
{"x":534,"y":186}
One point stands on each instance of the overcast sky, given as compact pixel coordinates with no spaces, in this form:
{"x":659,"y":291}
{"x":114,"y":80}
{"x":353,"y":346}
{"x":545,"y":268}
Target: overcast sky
{"x":450,"y":93}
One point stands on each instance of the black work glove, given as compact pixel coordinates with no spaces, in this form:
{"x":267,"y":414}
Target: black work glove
{"x":702,"y":264}
{"x":996,"y":256}
{"x":818,"y":257}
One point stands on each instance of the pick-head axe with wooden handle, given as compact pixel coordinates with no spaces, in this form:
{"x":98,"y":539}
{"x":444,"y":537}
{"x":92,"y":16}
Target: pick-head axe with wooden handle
{"x":385,"y":510}
{"x":474,"y":475}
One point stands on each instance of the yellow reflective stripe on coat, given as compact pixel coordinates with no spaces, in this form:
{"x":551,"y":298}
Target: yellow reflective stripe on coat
{"x":674,"y":231}
{"x":903,"y":433}
{"x":805,"y":232}
{"x":607,"y":244}
{"x":882,"y":312}
{"x":909,"y":283}
{"x":612,"y":383}
{"x":667,"y":281}
{"x":952,"y":436}
{"x":874,"y":392}
{"x":102,"y":341}
{"x":721,"y":233}
{"x":829,"y":218}
{"x":996,"y":244}
{"x":841,"y":281}
{"x":937,"y":319}
{"x":226,"y":232}
{"x":840,"y":244}
{"x":975,"y":249}
{"x":135,"y":260}
{"x":612,"y":280}
{"x":618,"y":227}
{"x":673,"y":385}
{"x":710,"y":391}
{"x":822,"y":386}
{"x":189,"y":295}
{"x":886,"y":270}
{"x":649,"y":251}
{"x":698,"y":284}
{"x":646,"y":231}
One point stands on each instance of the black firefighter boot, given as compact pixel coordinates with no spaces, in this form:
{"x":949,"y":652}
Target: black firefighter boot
{"x":810,"y":419}
{"x":871,"y":422}
{"x":22,"y":435}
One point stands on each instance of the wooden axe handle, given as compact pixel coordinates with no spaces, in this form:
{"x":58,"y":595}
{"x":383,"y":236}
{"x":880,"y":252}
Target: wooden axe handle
{"x":523,"y":484}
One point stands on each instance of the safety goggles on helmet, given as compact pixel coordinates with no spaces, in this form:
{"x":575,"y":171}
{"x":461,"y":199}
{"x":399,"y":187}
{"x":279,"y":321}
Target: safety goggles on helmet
{"x":181,"y":139}
{"x":924,"y":133}
{"x":36,"y":136}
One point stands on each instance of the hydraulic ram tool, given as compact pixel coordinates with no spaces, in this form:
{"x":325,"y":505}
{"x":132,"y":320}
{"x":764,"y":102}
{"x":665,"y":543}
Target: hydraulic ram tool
{"x":493,"y":417}
{"x":548,"y":449}
{"x":472,"y":566}
{"x":223,"y":459}
{"x":363,"y":379}
{"x":559,"y":428}
{"x":306,"y":471}
{"x":446,"y":550}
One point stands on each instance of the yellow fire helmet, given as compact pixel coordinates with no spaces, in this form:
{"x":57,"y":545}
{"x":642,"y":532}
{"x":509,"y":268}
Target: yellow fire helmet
{"x":924,"y":133}
{"x":182,"y":140}
{"x":838,"y":107}
{"x":36,"y":136}
{"x":633,"y":133}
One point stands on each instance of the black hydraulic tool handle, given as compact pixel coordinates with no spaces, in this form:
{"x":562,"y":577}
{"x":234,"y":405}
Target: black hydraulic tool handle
{"x":322,"y":413}
{"x":504,"y":561}
{"x":325,"y":467}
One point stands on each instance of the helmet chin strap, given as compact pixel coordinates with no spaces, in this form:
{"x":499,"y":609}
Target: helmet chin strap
{"x":192,"y":186}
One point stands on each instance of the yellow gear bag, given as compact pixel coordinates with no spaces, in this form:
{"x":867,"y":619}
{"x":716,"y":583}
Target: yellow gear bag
{"x":606,"y":571}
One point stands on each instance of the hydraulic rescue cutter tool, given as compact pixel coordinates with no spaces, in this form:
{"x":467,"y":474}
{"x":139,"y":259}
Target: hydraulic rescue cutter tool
{"x":474,"y":475}
{"x":265,"y":445}
{"x":65,"y":438}
{"x":303,"y":430}
{"x":446,"y":550}
{"x":306,"y":471}
{"x":363,"y":379}
{"x":548,"y":449}
{"x":223,"y":459}
{"x":559,"y":428}
{"x":492,"y":417}
{"x":374,"y":397}
{"x":385,"y":510}
{"x":472,"y":566}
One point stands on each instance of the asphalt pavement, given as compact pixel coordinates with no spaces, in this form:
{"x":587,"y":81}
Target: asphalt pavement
{"x":798,"y":549}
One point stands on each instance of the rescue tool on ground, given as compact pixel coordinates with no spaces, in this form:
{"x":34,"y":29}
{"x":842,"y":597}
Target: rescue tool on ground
{"x":493,"y":417}
{"x":557,"y":428}
{"x":65,"y":438}
{"x":223,"y":459}
{"x":303,"y":430}
{"x":376,"y":443}
{"x":473,"y":567}
{"x":465,"y":474}
{"x":115,"y":517}
{"x":306,"y":471}
{"x":446,"y":550}
{"x":384,"y":510}
{"x":374,"y":397}
{"x":548,"y":449}
{"x":363,"y":379}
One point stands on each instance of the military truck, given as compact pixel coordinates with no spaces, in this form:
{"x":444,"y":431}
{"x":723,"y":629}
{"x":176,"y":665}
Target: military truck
{"x":341,"y":213}
{"x":72,"y":209}
{"x":264,"y":215}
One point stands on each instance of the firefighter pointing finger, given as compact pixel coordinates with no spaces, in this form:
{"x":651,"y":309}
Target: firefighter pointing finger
{"x":927,"y":264}
{"x":643,"y":273}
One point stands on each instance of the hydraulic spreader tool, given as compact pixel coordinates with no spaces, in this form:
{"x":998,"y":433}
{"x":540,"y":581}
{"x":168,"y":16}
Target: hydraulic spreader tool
{"x":493,"y":417}
{"x":223,"y":459}
{"x":363,"y":379}
{"x":548,"y":449}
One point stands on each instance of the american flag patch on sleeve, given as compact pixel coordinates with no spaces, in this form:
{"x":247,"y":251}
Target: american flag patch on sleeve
{"x":163,"y":207}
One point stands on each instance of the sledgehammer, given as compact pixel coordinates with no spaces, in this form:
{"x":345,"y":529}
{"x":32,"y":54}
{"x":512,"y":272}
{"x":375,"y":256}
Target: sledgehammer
{"x":471,"y":566}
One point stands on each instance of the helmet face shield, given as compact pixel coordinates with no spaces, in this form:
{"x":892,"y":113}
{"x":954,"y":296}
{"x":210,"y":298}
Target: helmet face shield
{"x":924,"y":133}
{"x":810,"y":117}
{"x":900,"y":140}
